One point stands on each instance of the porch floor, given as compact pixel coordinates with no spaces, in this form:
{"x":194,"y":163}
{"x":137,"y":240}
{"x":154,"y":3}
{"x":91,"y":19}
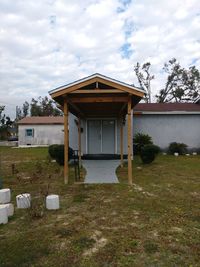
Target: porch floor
{"x":100,"y":171}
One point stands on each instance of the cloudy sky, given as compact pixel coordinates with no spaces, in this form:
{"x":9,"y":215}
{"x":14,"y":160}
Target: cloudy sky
{"x":48,"y":43}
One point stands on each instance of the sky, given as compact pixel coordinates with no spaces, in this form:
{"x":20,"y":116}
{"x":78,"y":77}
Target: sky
{"x":48,"y":43}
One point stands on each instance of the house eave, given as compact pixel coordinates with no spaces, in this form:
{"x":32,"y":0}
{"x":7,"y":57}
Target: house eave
{"x":166,"y":112}
{"x":96,"y":75}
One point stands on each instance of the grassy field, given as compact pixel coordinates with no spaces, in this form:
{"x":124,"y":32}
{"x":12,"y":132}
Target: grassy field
{"x":156,"y":222}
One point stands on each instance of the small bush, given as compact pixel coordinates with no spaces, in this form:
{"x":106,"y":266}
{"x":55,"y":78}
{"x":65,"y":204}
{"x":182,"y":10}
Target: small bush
{"x":180,"y":148}
{"x":57,"y":152}
{"x":148,"y":153}
{"x":139,"y":141}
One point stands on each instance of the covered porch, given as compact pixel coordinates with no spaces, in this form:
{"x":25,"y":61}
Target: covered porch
{"x":103,"y":105}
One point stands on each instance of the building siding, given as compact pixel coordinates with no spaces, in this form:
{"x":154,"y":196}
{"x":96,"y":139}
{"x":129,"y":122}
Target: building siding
{"x":48,"y":134}
{"x":164,"y":129}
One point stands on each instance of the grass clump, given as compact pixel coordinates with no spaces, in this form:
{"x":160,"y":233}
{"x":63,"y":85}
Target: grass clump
{"x":150,"y":247}
{"x":84,"y":242}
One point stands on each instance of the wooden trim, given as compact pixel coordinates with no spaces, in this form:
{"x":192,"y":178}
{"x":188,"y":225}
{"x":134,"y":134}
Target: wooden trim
{"x":93,"y":80}
{"x":80,"y":113}
{"x":96,"y":99}
{"x":130,"y":178}
{"x":73,"y":87}
{"x":121,"y":142}
{"x":97,"y":91}
{"x":79,"y":141}
{"x":66,"y":142}
{"x":121,"y":87}
{"x":122,"y":109}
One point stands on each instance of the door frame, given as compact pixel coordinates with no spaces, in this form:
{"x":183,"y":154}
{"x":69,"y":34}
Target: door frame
{"x":115,"y":135}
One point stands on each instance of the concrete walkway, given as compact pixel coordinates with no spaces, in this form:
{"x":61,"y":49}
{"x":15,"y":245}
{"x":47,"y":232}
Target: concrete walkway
{"x":100,"y":171}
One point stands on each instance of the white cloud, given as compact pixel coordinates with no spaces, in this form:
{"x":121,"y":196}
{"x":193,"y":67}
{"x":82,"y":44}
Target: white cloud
{"x":52,"y":42}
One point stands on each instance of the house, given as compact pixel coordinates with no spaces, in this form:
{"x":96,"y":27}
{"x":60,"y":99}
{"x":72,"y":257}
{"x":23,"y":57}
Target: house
{"x":40,"y":131}
{"x":101,"y":115}
{"x":164,"y":122}
{"x":169,"y":122}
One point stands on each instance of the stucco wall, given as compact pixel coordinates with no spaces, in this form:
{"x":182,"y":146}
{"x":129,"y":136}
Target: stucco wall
{"x":165,"y":129}
{"x":49,"y":134}
{"x":43,"y":135}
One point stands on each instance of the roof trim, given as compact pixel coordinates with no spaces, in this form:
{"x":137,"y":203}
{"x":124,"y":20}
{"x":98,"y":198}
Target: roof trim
{"x":96,"y":75}
{"x":41,"y":120}
{"x":41,"y":123}
{"x":166,"y":112}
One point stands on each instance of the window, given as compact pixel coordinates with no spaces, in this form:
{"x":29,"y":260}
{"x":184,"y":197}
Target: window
{"x":29,"y":132}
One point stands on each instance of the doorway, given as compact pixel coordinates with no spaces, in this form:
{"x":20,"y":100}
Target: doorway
{"x":101,"y":136}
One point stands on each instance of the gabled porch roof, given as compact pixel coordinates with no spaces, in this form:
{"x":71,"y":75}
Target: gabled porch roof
{"x":97,"y":96}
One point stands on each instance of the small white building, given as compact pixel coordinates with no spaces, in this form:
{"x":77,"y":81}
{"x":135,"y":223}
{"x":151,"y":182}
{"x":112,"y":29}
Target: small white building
{"x":41,"y":131}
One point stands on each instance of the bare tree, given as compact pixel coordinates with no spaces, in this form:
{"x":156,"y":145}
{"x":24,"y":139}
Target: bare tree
{"x":144,"y":78}
{"x":183,"y":85}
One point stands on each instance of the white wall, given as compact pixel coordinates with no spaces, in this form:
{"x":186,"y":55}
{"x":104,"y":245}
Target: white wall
{"x":165,"y":129}
{"x":49,"y":134}
{"x":43,"y":135}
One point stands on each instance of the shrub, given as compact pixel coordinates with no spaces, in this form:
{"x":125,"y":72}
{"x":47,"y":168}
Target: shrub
{"x":177,"y":148}
{"x":57,"y":152}
{"x":148,"y":153}
{"x":140,"y":140}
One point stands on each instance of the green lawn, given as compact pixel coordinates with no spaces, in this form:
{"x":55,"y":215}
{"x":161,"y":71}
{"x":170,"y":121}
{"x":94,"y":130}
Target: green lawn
{"x":156,"y":222}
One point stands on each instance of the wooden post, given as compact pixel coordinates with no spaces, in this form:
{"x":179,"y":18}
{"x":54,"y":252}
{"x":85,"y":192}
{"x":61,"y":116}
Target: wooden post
{"x":130,"y":180}
{"x":121,"y":141}
{"x":66,"y":142}
{"x":79,"y":141}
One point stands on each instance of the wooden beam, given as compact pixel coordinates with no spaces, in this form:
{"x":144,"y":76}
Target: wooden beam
{"x":74,"y":106}
{"x":79,"y":141}
{"x":121,"y":142}
{"x":98,"y":91}
{"x":70,"y":89}
{"x":101,"y":99}
{"x":66,"y":142}
{"x":130,"y":178}
{"x":132,"y":91}
{"x":122,"y":109}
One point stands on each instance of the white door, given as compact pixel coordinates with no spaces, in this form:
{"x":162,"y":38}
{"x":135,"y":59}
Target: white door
{"x":101,"y":136}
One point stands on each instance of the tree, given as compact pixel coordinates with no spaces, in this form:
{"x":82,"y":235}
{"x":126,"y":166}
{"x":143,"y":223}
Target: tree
{"x":5,"y":123}
{"x":44,"y":107}
{"x":39,"y":107}
{"x":144,"y":78}
{"x":183,"y":85}
{"x":25,"y":109}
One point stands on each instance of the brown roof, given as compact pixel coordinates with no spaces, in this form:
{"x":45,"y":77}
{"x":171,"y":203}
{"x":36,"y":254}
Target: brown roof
{"x":42,"y":120}
{"x":166,"y":107}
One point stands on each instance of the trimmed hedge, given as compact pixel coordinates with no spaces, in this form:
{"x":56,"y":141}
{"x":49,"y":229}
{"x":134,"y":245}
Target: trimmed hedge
{"x":180,"y":148}
{"x":57,"y":152}
{"x":148,"y":153}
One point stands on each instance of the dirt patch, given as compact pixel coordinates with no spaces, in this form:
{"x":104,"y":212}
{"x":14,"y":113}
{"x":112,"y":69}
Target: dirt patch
{"x":100,"y":242}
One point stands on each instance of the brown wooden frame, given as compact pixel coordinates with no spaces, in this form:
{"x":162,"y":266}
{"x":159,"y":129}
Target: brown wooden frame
{"x":72,"y":97}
